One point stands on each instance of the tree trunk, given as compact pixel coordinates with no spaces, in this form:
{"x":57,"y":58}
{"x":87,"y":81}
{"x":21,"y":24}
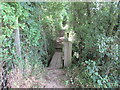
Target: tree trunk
{"x":17,"y":39}
{"x":88,"y":12}
{"x":0,"y":47}
{"x":0,"y":36}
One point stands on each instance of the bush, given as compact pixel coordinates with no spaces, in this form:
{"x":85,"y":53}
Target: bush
{"x":88,"y":76}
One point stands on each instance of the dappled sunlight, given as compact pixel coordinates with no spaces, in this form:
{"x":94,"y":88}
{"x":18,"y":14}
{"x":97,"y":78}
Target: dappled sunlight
{"x":59,"y":45}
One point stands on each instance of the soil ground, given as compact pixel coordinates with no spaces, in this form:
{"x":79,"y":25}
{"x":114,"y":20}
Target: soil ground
{"x":55,"y":78}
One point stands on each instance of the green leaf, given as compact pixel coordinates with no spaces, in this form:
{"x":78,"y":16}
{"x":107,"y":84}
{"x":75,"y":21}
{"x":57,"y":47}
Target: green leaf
{"x":99,"y":82}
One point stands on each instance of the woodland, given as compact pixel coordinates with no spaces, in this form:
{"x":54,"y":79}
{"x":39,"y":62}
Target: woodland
{"x":28,"y":33}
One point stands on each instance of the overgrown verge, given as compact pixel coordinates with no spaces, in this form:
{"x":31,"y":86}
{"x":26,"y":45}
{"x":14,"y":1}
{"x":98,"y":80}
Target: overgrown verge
{"x":37,"y":38}
{"x":102,"y":70}
{"x":88,"y":76}
{"x":96,"y":45}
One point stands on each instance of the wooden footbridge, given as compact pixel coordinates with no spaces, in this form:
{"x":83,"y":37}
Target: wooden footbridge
{"x":62,"y":55}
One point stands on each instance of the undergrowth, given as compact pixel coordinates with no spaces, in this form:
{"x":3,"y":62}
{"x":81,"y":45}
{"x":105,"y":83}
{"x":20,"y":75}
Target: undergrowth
{"x":87,"y":76}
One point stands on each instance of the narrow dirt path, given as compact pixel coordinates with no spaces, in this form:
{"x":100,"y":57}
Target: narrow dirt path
{"x":56,"y":77}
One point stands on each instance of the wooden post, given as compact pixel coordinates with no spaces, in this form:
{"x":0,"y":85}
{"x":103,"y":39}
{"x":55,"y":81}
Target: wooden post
{"x":1,"y":39}
{"x":67,"y":52}
{"x":17,"y":39}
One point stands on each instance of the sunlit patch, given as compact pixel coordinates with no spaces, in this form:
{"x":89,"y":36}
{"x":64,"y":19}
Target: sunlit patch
{"x":76,"y":54}
{"x":65,"y":27}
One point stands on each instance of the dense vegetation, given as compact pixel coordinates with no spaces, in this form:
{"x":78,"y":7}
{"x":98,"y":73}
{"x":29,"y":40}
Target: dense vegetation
{"x":28,"y":32}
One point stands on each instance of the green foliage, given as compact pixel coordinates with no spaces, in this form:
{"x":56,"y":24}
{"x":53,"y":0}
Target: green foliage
{"x":95,"y":49}
{"x":99,"y":81}
{"x":38,"y":25}
{"x":93,"y":24}
{"x":88,"y":75}
{"x":7,"y":32}
{"x":107,"y":45}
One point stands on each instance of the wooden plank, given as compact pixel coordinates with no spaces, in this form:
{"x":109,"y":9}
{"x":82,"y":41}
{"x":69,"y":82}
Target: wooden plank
{"x":56,"y":61}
